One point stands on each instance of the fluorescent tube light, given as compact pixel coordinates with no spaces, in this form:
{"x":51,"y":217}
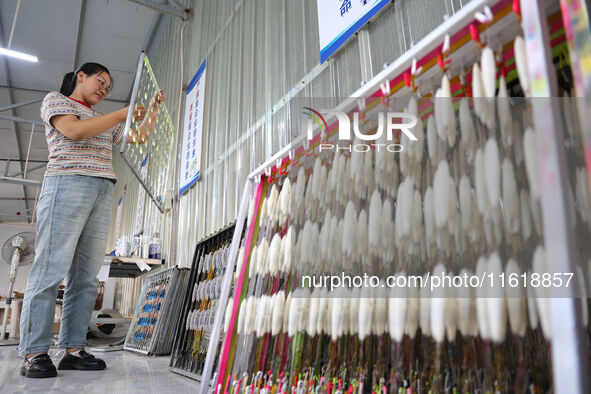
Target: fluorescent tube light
{"x":18,"y":55}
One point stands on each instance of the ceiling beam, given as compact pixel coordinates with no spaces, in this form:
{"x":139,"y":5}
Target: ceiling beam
{"x":19,"y":181}
{"x":15,"y":127}
{"x":22,"y":120}
{"x":164,"y":8}
{"x":29,"y":170}
{"x":9,"y":159}
{"x":79,"y":34}
{"x":21,"y":104}
{"x":15,"y":88}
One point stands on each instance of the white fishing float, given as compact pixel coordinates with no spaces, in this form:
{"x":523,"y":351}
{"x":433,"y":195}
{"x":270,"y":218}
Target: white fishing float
{"x":249,"y":319}
{"x":275,"y":254}
{"x":239,"y":262}
{"x":287,"y":244}
{"x":337,"y":316}
{"x":314,"y":304}
{"x":497,"y":307}
{"x":516,"y":303}
{"x":261,"y":306}
{"x":397,"y":307}
{"x":477,"y":91}
{"x":277,"y":317}
{"x":365,"y":316}
{"x":489,"y":79}
{"x":293,"y":315}
{"x":252,"y":268}
{"x":241,"y":316}
{"x":228,"y":314}
{"x":438,"y":307}
{"x":521,"y":63}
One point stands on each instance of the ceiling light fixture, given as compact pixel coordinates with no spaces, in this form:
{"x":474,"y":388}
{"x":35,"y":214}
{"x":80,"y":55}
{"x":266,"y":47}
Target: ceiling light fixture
{"x":18,"y":55}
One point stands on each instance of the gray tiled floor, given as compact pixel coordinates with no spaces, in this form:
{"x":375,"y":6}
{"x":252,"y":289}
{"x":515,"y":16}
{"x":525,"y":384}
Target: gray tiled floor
{"x":126,"y":373}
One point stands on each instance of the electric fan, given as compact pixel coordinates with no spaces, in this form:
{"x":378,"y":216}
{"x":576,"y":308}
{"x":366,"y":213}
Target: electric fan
{"x":17,"y":250}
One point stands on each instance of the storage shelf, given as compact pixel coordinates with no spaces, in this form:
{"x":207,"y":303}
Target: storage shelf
{"x":125,"y":267}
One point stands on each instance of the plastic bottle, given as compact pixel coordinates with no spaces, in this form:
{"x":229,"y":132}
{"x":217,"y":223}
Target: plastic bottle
{"x":154,"y":250}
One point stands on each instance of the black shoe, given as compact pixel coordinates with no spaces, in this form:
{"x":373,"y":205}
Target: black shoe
{"x":85,"y":362}
{"x":39,"y":366}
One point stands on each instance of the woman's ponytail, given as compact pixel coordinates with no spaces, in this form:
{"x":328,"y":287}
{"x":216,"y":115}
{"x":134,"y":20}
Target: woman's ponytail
{"x":68,"y":84}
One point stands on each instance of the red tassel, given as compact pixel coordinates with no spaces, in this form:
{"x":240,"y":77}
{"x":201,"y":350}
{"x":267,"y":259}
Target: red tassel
{"x":475,"y":34}
{"x":407,"y":79}
{"x":517,"y":8}
{"x":440,"y":61}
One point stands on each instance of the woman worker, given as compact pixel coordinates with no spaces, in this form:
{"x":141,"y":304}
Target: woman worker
{"x":73,"y":215}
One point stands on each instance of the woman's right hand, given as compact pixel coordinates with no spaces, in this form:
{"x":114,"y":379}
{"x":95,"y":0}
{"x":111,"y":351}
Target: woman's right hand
{"x":139,"y":113}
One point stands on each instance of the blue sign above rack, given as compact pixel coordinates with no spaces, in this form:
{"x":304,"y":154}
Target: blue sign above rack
{"x":340,"y":19}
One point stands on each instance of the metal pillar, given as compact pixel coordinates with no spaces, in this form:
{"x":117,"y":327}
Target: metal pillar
{"x":569,"y":350}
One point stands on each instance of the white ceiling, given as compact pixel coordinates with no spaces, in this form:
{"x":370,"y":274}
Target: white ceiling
{"x":63,"y":34}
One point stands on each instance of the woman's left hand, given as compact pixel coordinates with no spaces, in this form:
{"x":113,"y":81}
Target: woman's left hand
{"x":158,"y":98}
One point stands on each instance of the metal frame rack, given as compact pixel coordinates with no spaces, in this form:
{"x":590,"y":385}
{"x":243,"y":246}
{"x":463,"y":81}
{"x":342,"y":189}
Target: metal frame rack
{"x":183,"y":359}
{"x":156,"y":314}
{"x":569,"y":349}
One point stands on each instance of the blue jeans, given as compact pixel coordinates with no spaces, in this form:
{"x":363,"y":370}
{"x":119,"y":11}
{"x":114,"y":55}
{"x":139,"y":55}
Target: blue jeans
{"x":73,"y":216}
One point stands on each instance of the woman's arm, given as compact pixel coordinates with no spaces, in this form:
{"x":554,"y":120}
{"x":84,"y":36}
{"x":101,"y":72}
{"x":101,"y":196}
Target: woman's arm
{"x":79,"y":129}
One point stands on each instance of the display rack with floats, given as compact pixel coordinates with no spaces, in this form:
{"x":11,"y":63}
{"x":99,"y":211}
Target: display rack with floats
{"x":202,"y":300}
{"x":475,"y":194}
{"x":157,"y":312}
